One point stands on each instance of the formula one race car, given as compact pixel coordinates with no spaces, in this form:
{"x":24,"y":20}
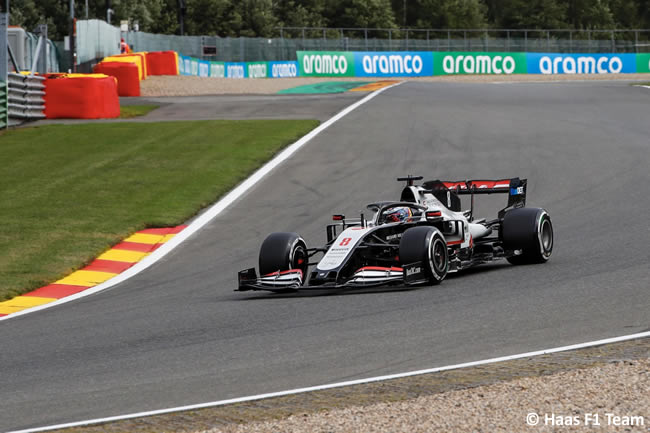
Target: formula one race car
{"x":414,"y":241}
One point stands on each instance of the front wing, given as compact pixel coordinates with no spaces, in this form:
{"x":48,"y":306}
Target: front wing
{"x":369,"y":276}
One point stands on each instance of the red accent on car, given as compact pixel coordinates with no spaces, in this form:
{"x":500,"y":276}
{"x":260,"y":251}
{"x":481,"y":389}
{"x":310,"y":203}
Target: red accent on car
{"x":380,"y":268}
{"x":454,"y":185}
{"x":455,"y":242}
{"x":490,"y":184}
{"x":338,"y":217}
{"x":435,"y":213}
{"x":478,"y":184}
{"x":290,"y":271}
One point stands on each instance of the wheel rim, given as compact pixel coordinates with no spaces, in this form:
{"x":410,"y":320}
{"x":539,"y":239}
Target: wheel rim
{"x":300,"y":260}
{"x":546,"y":236}
{"x":439,"y":255}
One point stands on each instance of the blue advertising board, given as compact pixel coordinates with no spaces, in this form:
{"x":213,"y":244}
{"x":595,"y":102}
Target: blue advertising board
{"x":236,"y":70}
{"x":204,"y":68}
{"x":188,"y":65}
{"x":393,"y":64}
{"x":181,"y":64}
{"x":554,"y":63}
{"x":283,"y":69}
{"x":422,"y":63}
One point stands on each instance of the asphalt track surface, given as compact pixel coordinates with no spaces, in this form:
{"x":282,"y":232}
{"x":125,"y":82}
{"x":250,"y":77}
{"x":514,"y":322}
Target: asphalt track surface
{"x":320,"y":107}
{"x":234,"y":107}
{"x":177,"y":334}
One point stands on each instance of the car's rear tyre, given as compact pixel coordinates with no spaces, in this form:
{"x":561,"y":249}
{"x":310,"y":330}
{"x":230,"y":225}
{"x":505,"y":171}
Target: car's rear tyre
{"x":529,"y":230}
{"x":426,"y":245}
{"x":283,"y":251}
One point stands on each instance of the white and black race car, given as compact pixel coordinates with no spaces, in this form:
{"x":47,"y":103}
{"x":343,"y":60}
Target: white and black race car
{"x":417,"y":240}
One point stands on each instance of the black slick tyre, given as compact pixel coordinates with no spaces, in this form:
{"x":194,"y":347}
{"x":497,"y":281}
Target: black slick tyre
{"x":428,"y":246}
{"x":281,"y":252}
{"x":529,"y":230}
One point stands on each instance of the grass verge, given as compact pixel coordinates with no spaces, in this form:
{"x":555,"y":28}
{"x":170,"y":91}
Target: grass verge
{"x":130,"y":111}
{"x":69,"y":192}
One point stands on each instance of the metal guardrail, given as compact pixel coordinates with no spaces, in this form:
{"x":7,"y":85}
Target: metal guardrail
{"x":4,"y":22}
{"x":25,"y":97}
{"x":4,"y":111}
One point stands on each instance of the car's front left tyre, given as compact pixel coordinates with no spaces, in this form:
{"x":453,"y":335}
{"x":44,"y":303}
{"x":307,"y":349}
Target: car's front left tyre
{"x":282,"y":252}
{"x":426,"y":245}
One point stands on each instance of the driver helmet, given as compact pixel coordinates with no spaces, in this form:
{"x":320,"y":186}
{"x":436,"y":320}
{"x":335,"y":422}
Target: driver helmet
{"x":398,"y":214}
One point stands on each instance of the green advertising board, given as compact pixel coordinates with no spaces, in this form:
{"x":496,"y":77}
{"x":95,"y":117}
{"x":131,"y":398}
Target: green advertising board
{"x":457,"y":62}
{"x":643,"y":63}
{"x":217,"y":69}
{"x":326,"y":63}
{"x":257,"y":69}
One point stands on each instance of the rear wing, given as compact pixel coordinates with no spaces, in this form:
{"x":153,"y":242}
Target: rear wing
{"x":514,"y":187}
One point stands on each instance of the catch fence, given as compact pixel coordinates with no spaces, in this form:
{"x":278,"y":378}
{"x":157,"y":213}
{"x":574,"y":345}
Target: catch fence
{"x":484,"y":40}
{"x":96,"y":39}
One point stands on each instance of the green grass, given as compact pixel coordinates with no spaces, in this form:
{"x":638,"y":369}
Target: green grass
{"x":69,"y":192}
{"x":130,"y":111}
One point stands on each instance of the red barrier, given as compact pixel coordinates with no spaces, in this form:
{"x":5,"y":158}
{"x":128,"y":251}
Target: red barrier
{"x":143,"y":60}
{"x":81,"y":97}
{"x":128,"y":82}
{"x":139,"y":59}
{"x":162,"y":63}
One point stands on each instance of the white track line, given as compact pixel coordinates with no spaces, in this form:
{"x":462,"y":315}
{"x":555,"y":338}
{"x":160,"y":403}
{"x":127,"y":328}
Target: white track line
{"x":641,"y":85}
{"x":337,"y":385}
{"x":208,"y":215}
{"x":566,"y":81}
